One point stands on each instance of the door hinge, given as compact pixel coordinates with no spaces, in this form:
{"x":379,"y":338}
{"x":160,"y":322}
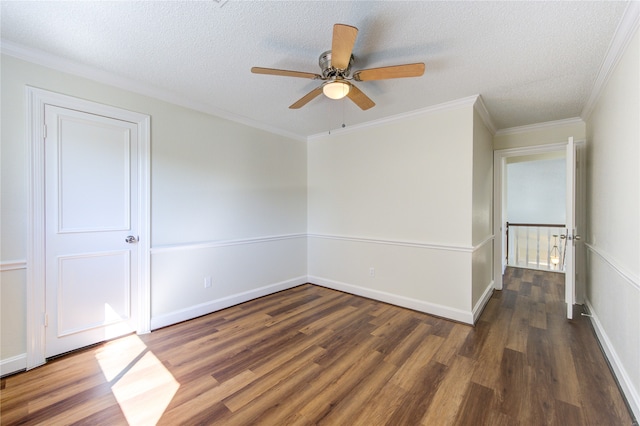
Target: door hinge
{"x":46,"y":320}
{"x":44,"y":131}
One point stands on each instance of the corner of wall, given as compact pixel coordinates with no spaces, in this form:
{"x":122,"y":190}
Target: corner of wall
{"x":482,"y":110}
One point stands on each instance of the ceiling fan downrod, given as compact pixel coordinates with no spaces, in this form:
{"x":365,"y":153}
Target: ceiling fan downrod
{"x":329,"y":71}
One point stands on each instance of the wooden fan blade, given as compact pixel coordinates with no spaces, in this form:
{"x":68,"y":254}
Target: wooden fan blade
{"x":396,"y":71}
{"x":285,"y":73}
{"x":306,"y":98}
{"x":344,"y":37}
{"x":360,"y":98}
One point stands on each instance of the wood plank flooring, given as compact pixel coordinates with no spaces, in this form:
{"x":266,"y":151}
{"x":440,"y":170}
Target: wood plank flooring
{"x":314,"y":356}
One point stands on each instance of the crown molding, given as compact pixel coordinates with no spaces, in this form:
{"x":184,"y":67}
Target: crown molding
{"x":539,"y":126}
{"x":446,"y":106}
{"x":481,"y":107}
{"x":57,"y":63}
{"x":624,"y":33}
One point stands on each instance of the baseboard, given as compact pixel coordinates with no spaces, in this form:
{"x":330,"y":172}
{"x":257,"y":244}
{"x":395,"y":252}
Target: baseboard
{"x":484,"y":299}
{"x":13,"y":364}
{"x":222,"y":303}
{"x":625,"y":382}
{"x":394,"y":299}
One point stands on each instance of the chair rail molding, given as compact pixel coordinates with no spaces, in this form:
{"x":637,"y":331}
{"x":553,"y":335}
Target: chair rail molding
{"x":224,"y":243}
{"x":12,"y":265}
{"x":416,"y":244}
{"x":628,"y":276}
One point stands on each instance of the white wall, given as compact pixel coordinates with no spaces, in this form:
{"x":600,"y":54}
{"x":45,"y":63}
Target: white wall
{"x":536,"y":191}
{"x":398,"y":197}
{"x":408,"y":180}
{"x":227,"y":200}
{"x":613,"y":240}
{"x":482,"y":212}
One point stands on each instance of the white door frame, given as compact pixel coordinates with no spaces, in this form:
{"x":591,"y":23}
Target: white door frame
{"x":35,"y":321}
{"x":499,"y":167}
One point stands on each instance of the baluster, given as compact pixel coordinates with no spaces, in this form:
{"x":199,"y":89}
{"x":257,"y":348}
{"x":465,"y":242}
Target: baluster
{"x":517,"y":245}
{"x":527,"y":252}
{"x":549,"y":248}
{"x":537,"y":247}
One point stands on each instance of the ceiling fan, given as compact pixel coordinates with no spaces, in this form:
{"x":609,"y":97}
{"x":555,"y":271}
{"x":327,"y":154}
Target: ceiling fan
{"x":336,"y":71}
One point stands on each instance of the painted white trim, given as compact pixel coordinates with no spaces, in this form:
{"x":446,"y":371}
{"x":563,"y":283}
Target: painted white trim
{"x":144,"y":224}
{"x":482,"y":302}
{"x":481,"y":107}
{"x":488,"y":291}
{"x":417,"y":244}
{"x":224,"y":243}
{"x":539,"y":126}
{"x":628,"y":276}
{"x":13,"y":265}
{"x":222,"y":303}
{"x":394,"y":299}
{"x":48,"y":60}
{"x":36,"y":101}
{"x":35,"y":297}
{"x":259,"y":240}
{"x":531,"y":150}
{"x":624,"y":33}
{"x":499,"y":264}
{"x":631,"y":394}
{"x":484,"y":242}
{"x":13,"y":364}
{"x":499,"y":160}
{"x":446,"y":106}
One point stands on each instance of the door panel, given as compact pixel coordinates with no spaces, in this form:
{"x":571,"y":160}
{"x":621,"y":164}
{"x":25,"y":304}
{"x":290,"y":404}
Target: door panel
{"x":570,"y":265}
{"x":91,"y":208}
{"x":104,"y":302}
{"x":88,"y":200}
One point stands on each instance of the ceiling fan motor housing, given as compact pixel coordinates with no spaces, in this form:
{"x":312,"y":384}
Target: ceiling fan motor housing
{"x":330,"y":72}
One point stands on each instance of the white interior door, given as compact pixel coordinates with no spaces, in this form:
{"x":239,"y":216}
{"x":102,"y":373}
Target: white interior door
{"x":571,"y":234}
{"x":91,"y":193}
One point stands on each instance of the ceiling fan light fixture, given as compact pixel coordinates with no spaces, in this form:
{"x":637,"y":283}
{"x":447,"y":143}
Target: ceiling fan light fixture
{"x":335,"y":89}
{"x":336,"y":71}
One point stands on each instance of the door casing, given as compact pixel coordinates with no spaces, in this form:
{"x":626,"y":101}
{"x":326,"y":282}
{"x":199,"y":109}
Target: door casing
{"x":499,"y":167}
{"x":36,"y":251}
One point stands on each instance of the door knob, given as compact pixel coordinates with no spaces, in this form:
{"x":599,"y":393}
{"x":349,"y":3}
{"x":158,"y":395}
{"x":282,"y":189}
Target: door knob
{"x":571,"y":237}
{"x":131,"y":239}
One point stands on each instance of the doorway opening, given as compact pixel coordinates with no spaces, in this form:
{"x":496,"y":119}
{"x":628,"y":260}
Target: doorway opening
{"x":534,"y":195}
{"x":545,"y":248}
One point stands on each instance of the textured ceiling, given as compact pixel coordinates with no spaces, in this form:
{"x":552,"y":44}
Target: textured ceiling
{"x":532,"y":61}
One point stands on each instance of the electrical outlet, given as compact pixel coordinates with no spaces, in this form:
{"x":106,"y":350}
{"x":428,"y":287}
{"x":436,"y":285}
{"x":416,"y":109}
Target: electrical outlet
{"x":207,"y":282}
{"x":372,"y":272}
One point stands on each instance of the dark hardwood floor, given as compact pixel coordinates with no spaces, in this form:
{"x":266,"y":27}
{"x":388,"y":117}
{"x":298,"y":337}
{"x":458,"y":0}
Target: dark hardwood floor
{"x":311,"y":355}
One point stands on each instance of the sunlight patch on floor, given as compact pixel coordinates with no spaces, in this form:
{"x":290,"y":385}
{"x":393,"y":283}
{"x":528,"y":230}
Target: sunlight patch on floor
{"x":141,"y":384}
{"x":116,"y":355}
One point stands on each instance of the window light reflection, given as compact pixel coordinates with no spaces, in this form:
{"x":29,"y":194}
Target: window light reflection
{"x":140,"y":383}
